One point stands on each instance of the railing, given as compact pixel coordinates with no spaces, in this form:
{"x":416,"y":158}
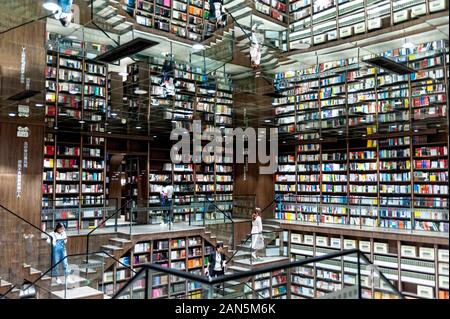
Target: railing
{"x":356,"y":278}
{"x":82,"y":270}
{"x":268,"y":243}
{"x":103,"y":223}
{"x":357,"y":211}
{"x":21,"y":242}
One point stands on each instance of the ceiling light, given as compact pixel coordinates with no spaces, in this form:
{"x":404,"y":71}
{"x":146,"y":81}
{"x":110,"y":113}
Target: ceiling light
{"x":198,"y":46}
{"x":415,"y":131}
{"x":267,"y":121}
{"x":138,"y":127}
{"x":341,"y":132}
{"x":154,"y":136}
{"x":55,"y":127}
{"x":51,"y":5}
{"x":284,"y":142}
{"x":39,"y":105}
{"x":109,"y":132}
{"x":113,"y":114}
{"x":81,"y":122}
{"x":364,"y":135}
{"x":123,"y":121}
{"x":211,"y":91}
{"x":11,"y":114}
{"x":140,"y":91}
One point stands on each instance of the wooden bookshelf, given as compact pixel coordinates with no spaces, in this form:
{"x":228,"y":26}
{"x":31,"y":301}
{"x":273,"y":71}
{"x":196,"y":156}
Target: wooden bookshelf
{"x":395,"y":169}
{"x":74,"y":175}
{"x":183,"y":253}
{"x":414,"y":267}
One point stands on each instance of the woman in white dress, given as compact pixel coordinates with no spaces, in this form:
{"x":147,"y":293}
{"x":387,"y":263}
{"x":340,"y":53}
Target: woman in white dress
{"x":257,"y":236}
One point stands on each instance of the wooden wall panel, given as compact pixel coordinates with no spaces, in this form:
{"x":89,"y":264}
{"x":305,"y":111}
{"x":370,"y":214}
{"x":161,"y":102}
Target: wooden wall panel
{"x":28,"y":205}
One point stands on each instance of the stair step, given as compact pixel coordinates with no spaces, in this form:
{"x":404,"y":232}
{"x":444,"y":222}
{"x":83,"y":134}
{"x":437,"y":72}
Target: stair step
{"x":85,"y":292}
{"x":112,"y":247}
{"x":120,"y":240}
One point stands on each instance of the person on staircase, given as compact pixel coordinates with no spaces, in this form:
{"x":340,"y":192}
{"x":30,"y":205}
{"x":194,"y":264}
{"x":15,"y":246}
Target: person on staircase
{"x":63,"y":12}
{"x":257,"y":236}
{"x":59,"y":253}
{"x":216,"y":264}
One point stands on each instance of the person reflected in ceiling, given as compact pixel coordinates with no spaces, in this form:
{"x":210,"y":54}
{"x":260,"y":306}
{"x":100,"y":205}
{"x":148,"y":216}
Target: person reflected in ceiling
{"x":167,"y":78}
{"x":64,"y":13}
{"x":255,"y":47}
{"x":219,"y":14}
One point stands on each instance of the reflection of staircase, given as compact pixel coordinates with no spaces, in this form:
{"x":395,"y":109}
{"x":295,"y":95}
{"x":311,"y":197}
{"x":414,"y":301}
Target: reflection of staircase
{"x":110,"y":15}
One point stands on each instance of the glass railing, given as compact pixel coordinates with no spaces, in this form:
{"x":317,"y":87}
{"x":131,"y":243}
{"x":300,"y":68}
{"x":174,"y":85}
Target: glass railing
{"x":80,"y":276}
{"x":259,"y":249}
{"x":343,"y":275}
{"x":23,"y":249}
{"x":244,"y":206}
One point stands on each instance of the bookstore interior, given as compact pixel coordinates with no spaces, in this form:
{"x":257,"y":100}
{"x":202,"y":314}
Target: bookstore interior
{"x":224,"y":149}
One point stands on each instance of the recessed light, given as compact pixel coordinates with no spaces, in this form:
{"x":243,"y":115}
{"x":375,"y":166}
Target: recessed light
{"x":211,"y":91}
{"x":140,"y":91}
{"x":113,"y":114}
{"x":51,"y":6}
{"x":267,"y":121}
{"x":364,"y":135}
{"x":341,"y":132}
{"x":11,"y":114}
{"x":39,"y":105}
{"x":138,"y":127}
{"x":81,"y":122}
{"x":438,"y":125}
{"x":109,"y":132}
{"x":284,"y":142}
{"x":55,"y":127}
{"x":123,"y":121}
{"x":198,"y":46}
{"x":154,"y":136}
{"x":416,"y":131}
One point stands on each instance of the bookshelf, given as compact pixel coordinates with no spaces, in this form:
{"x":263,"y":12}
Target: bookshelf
{"x":74,"y":189}
{"x":393,"y":176}
{"x":196,"y":97}
{"x":184,"y":18}
{"x":413,"y":267}
{"x":275,"y":9}
{"x":187,"y":253}
{"x":319,"y":22}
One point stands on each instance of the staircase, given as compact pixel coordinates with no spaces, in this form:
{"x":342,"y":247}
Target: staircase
{"x":110,"y":15}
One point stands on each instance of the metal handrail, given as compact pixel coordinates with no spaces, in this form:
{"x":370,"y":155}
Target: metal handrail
{"x":74,"y":255}
{"x":104,"y":221}
{"x":250,"y":273}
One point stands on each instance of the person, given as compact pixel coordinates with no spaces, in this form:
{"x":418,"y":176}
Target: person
{"x":166,"y":195}
{"x":59,"y":253}
{"x":216,"y":262}
{"x":64,"y":13}
{"x":255,"y":48}
{"x":257,"y":236}
{"x":219,"y":14}
{"x":167,"y":81}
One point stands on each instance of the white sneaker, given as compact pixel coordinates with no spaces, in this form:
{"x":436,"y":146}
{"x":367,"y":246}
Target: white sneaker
{"x":59,"y":281}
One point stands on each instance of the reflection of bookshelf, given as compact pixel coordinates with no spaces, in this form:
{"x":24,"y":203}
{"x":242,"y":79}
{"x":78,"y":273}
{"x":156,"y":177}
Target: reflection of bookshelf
{"x":417,"y":269}
{"x":183,"y":18}
{"x":398,"y":165}
{"x":268,"y":285}
{"x":318,"y":22}
{"x":183,"y":253}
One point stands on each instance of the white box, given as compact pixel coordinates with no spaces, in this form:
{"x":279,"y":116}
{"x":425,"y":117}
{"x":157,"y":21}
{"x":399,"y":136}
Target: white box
{"x":346,"y":32}
{"x":418,"y":10}
{"x":443,"y":269}
{"x":437,"y":5}
{"x":359,"y":28}
{"x":349,"y":244}
{"x":332,"y":35}
{"x":321,"y":38}
{"x":381,"y":248}
{"x":335,"y":242}
{"x":308,"y":239}
{"x":425,"y":291}
{"x":321,"y":241}
{"x":296,"y":238}
{"x":443,"y":282}
{"x":443,"y":255}
{"x":374,"y":24}
{"x":401,"y":16}
{"x":408,"y":251}
{"x":364,"y":246}
{"x":426,"y":253}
